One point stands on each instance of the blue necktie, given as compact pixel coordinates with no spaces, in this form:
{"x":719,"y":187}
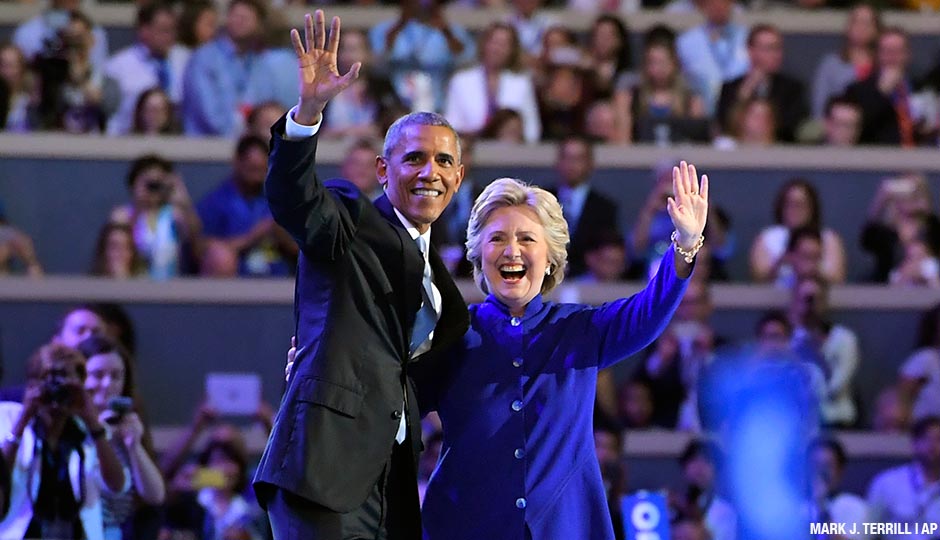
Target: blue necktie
{"x":163,"y":74}
{"x":426,"y":318}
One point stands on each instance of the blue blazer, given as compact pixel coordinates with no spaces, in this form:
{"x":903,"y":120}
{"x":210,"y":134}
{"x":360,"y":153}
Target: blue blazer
{"x":516,"y":400}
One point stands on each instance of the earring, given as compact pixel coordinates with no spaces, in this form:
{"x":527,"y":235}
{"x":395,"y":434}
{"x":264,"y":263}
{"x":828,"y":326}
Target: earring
{"x":548,"y":270}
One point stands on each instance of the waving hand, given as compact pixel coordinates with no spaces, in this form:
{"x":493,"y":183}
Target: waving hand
{"x":320,"y":79}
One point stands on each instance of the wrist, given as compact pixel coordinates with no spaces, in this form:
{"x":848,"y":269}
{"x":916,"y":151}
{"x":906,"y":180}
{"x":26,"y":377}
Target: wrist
{"x":308,"y":114}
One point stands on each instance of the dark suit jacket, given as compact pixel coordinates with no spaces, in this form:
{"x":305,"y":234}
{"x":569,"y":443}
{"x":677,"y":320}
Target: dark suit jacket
{"x":786,"y":93}
{"x":598,"y":214}
{"x":879,"y":119}
{"x":358,"y":289}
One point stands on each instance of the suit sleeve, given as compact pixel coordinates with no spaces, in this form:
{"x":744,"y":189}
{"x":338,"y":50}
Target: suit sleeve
{"x":321,"y":225}
{"x":628,"y":325}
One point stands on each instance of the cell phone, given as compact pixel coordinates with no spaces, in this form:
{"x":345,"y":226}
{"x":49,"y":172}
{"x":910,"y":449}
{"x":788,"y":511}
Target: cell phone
{"x":121,"y":405}
{"x":899,"y":186}
{"x":207,"y":477}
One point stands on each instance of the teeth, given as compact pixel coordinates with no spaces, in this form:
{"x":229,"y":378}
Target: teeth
{"x":426,"y":192}
{"x":512,"y":268}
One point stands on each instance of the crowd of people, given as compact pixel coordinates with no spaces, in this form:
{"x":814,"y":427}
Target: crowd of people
{"x":197,"y":71}
{"x":524,"y":80}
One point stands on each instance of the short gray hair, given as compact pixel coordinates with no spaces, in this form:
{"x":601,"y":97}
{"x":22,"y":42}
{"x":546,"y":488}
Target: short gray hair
{"x":394,"y":133}
{"x":506,"y":192}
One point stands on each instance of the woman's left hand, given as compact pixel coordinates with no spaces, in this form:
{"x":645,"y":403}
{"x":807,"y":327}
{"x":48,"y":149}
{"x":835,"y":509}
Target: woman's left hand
{"x":688,"y":207}
{"x":131,"y":429}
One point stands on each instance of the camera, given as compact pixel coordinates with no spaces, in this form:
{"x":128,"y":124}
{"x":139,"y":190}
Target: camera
{"x":56,"y":391}
{"x":156,"y":187}
{"x":121,"y":405}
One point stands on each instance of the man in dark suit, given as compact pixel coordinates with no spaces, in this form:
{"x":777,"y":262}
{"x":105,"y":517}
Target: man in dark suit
{"x":372,"y":301}
{"x":885,"y":95}
{"x":764,"y":80}
{"x":587,"y":212}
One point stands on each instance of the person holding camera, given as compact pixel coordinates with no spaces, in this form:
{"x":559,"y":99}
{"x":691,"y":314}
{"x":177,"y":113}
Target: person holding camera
{"x":161,"y":213}
{"x":60,"y":458}
{"x":110,"y":387}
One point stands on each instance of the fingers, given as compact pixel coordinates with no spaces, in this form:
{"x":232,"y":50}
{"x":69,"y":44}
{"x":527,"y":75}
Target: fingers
{"x":298,"y":45}
{"x":319,"y":30}
{"x":293,"y":341}
{"x":309,"y":32}
{"x":693,"y":180}
{"x":672,"y":208}
{"x":350,"y":75}
{"x":334,"y":36}
{"x":704,"y":187}
{"x":676,"y":182}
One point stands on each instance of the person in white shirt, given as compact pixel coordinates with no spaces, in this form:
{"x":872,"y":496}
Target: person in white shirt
{"x":155,"y":61}
{"x":830,"y":505}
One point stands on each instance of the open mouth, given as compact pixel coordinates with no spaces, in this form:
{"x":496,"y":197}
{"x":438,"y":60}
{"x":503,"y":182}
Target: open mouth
{"x":512,"y":272}
{"x":425,"y":192}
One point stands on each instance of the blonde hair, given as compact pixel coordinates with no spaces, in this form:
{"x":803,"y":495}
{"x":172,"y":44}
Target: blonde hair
{"x":507,"y":192}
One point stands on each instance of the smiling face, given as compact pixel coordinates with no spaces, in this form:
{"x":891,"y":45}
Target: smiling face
{"x":515,"y":256}
{"x":105,"y":379}
{"x":421,"y":173}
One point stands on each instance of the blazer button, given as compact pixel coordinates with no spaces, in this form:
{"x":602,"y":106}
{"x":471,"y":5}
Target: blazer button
{"x":515,"y":321}
{"x":520,"y":502}
{"x":517,"y":405}
{"x":396,"y":415}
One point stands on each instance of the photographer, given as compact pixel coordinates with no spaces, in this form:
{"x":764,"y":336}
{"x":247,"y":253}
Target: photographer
{"x":161,"y":214}
{"x":59,"y":454}
{"x":110,"y":387}
{"x":70,"y":84}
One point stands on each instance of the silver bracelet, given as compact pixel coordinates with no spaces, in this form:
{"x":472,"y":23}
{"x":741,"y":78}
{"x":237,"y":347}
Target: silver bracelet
{"x":687,"y":255}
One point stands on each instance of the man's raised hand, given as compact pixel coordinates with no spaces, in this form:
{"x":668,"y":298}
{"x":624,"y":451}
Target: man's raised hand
{"x":320,"y":79}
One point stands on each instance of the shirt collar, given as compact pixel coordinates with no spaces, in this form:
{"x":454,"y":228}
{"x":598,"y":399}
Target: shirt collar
{"x":531,"y":309}
{"x":412,"y":230}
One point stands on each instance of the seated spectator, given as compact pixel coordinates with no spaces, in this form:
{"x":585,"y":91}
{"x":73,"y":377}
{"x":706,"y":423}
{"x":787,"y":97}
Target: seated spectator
{"x":533,"y":25}
{"x":802,"y":259}
{"x":920,"y":266}
{"x":198,"y":23}
{"x":17,"y":251}
{"x":833,"y":345}
{"x":496,"y":82}
{"x":796,"y":205}
{"x":70,"y":83}
{"x":701,"y":502}
{"x":888,"y":116}
{"x":586,"y":210}
{"x":229,"y":514}
{"x":358,"y":167}
{"x":660,"y":94}
{"x":40,"y":34}
{"x":558,"y":44}
{"x":241,"y":236}
{"x":262,"y":117}
{"x":166,"y":227}
{"x":605,"y":257}
{"x":752,"y":123}
{"x":904,"y":494}
{"x":369,"y":105}
{"x":154,"y":61}
{"x":843,"y":123}
{"x":918,"y":386}
{"x":890,"y":415}
{"x":704,"y":66}
{"x":852,"y":62}
{"x":830,"y":505}
{"x":774,"y":342}
{"x":900,"y":211}
{"x":600,"y":123}
{"x":608,"y":54}
{"x":116,"y":254}
{"x":60,"y":458}
{"x":154,"y":114}
{"x":78,"y":324}
{"x":636,"y":405}
{"x":215,"y":86}
{"x":20,"y":107}
{"x":421,"y":49}
{"x":504,"y":125}
{"x":111,"y":378}
{"x":563,"y":99}
{"x":764,"y":80}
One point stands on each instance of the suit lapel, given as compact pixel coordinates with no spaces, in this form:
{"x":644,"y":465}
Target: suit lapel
{"x":412,"y":269}
{"x":454,"y":319}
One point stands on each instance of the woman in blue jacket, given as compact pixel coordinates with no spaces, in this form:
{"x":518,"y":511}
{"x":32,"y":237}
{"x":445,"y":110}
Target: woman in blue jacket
{"x":516,"y":398}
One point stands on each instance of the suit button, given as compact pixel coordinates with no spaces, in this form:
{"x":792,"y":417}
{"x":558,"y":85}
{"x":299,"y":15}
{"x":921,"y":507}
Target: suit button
{"x":519,"y":453}
{"x":517,"y":362}
{"x":520,"y":502}
{"x":396,"y":415}
{"x":517,"y":405}
{"x":515,"y":321}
